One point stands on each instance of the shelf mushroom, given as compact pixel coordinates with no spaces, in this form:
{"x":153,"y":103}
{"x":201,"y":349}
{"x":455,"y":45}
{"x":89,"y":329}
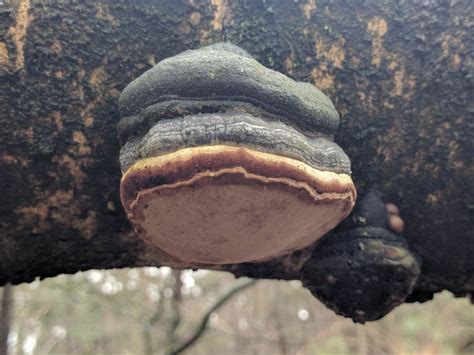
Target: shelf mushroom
{"x":227,"y":162}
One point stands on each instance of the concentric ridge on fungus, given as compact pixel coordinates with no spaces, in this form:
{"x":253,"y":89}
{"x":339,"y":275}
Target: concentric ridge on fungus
{"x":220,"y":75}
{"x":235,"y":129}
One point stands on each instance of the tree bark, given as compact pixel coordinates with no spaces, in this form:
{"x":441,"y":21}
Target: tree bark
{"x":399,"y":73}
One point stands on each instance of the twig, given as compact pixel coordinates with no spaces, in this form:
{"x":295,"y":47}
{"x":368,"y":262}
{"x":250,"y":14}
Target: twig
{"x":203,"y":324}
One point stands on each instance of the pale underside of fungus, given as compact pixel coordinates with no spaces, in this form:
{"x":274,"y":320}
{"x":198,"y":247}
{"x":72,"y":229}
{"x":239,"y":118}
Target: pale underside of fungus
{"x":238,"y":205}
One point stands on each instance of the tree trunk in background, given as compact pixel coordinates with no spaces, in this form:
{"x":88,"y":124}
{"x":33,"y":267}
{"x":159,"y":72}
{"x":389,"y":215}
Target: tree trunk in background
{"x":6,"y":317}
{"x":399,"y":73}
{"x":278,"y":326}
{"x":178,"y":285}
{"x":175,"y":318}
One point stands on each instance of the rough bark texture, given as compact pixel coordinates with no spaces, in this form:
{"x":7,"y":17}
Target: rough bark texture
{"x":399,"y":73}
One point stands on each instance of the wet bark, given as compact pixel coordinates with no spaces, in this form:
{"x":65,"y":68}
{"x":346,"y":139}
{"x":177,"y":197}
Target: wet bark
{"x":399,"y":73}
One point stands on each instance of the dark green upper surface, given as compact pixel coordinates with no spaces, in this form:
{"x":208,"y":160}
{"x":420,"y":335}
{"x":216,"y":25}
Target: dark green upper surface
{"x":220,"y":74}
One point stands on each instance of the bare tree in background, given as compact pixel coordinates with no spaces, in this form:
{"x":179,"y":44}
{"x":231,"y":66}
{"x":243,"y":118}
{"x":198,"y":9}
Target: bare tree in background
{"x":7,"y":305}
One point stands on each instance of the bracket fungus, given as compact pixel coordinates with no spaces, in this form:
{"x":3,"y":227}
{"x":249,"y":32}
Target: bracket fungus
{"x":225,"y":161}
{"x":363,"y":270}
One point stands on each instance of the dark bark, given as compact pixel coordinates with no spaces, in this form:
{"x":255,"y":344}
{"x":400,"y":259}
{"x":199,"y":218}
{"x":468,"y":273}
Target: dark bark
{"x":399,"y":73}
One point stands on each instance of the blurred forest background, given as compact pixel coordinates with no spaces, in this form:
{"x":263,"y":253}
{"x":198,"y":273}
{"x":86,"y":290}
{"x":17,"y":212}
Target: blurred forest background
{"x":155,"y":311}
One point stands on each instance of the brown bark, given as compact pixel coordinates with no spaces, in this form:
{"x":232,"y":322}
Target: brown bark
{"x":399,"y":73}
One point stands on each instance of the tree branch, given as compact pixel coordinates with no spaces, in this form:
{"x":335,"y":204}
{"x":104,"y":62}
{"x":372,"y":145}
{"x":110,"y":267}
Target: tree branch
{"x":201,"y":328}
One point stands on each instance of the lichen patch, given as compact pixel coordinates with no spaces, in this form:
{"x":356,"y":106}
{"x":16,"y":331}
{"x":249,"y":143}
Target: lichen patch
{"x":57,"y":207}
{"x":391,"y":143}
{"x":88,"y":121}
{"x":34,"y":216}
{"x":98,"y":78}
{"x":452,"y":49}
{"x":333,"y":54}
{"x":58,"y":121}
{"x":433,"y":198}
{"x":354,"y":62}
{"x":79,"y":138}
{"x":195,"y":18}
{"x":322,"y":78}
{"x":403,"y":84}
{"x":59,"y":74}
{"x":73,"y":167}
{"x":14,"y":160}
{"x":222,"y":14}
{"x":103,"y":13}
{"x":4,"y":56}
{"x":329,"y":56}
{"x":151,"y":59}
{"x":309,"y":8}
{"x":18,"y":32}
{"x":204,"y":37}
{"x":377,"y":27}
{"x":57,"y":47}
{"x":289,"y":64}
